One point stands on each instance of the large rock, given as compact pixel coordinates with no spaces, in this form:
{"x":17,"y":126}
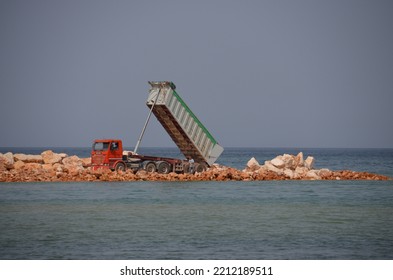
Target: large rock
{"x":63,"y":155}
{"x":309,"y":162}
{"x":34,"y":159}
{"x":73,"y":163}
{"x":58,"y":167}
{"x":86,"y":162}
{"x":8,"y":160}
{"x":278,"y":162}
{"x":19,"y":165}
{"x":289,"y":161}
{"x":289,"y":173}
{"x":313,"y":175}
{"x":253,"y":163}
{"x":49,"y":157}
{"x":301,"y":171}
{"x":324,"y":173}
{"x":20,"y":157}
{"x":28,"y":158}
{"x":299,"y":161}
{"x":270,"y":167}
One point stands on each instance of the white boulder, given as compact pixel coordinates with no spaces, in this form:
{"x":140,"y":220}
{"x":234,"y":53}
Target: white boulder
{"x":313,"y":175}
{"x":253,"y":163}
{"x":269,"y":166}
{"x":289,"y":161}
{"x":299,"y":161}
{"x":324,"y":172}
{"x":301,"y":171}
{"x":309,"y":162}
{"x":289,"y":173}
{"x":278,"y":162}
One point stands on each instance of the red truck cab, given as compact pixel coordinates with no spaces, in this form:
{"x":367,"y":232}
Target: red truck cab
{"x":107,"y":153}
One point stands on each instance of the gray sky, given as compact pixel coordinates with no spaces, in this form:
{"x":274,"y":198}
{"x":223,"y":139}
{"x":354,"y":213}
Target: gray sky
{"x":256,"y":73}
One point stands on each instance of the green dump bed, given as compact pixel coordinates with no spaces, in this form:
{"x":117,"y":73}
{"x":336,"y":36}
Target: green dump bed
{"x":189,"y":134}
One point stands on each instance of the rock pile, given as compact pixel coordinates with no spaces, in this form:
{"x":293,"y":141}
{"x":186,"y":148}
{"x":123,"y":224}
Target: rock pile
{"x":50,"y":166}
{"x":290,"y":167}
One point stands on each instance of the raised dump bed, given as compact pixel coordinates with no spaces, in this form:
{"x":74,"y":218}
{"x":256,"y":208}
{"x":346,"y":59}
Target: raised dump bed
{"x":185,"y":129}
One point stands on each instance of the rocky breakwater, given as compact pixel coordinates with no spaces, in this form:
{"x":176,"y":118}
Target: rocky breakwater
{"x":290,"y":167}
{"x":50,"y":167}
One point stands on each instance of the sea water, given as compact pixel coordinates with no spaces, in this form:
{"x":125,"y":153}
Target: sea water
{"x":205,"y":220}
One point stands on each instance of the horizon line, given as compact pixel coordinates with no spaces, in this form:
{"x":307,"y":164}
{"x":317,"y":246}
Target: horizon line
{"x":174,"y":147}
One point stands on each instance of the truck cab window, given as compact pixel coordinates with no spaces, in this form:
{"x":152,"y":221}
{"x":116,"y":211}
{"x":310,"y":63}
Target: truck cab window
{"x":100,"y":146}
{"x":114,"y":146}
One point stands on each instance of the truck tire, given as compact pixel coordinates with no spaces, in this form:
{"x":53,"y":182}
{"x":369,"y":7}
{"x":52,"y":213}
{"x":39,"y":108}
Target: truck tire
{"x":186,"y":168}
{"x":150,"y":167}
{"x":164,"y":167}
{"x":200,"y":167}
{"x":120,"y":166}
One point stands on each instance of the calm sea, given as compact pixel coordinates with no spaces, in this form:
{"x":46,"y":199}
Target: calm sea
{"x":205,"y":220}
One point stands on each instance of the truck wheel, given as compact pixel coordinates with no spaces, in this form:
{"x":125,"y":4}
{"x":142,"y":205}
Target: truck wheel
{"x":164,"y":167}
{"x":120,"y":166}
{"x":150,"y":167}
{"x":186,"y":168}
{"x":200,"y":167}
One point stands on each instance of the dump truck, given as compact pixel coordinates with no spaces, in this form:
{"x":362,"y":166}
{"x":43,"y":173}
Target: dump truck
{"x":195,"y":142}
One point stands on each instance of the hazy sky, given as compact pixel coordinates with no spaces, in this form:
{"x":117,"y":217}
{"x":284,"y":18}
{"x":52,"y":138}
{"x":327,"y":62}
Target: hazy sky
{"x":256,"y":73}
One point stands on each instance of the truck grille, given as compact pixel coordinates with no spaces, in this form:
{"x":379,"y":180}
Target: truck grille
{"x":97,"y":159}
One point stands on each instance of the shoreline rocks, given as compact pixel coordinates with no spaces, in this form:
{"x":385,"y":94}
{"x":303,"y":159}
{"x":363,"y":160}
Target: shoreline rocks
{"x":54,"y":167}
{"x":291,"y":167}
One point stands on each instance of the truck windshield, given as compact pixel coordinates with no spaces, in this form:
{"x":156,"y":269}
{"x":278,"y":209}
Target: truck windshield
{"x":100,"y":146}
